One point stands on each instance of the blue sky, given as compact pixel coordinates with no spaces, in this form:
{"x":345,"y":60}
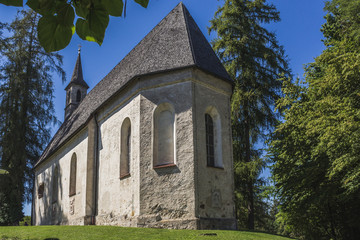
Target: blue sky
{"x":298,"y":31}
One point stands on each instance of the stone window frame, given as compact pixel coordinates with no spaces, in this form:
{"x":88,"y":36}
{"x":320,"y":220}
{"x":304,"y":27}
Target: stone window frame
{"x":162,"y":107}
{"x":217,"y":138}
{"x":125,"y":148}
{"x":73,"y":175}
{"x":41,"y":189}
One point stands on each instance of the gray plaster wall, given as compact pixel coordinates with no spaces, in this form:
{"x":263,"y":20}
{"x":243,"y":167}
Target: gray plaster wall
{"x":45,"y":211}
{"x":167,"y":195}
{"x":215,"y":186}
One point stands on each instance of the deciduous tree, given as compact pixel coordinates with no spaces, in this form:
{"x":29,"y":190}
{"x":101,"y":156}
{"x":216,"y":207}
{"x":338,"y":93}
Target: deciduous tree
{"x":316,"y":149}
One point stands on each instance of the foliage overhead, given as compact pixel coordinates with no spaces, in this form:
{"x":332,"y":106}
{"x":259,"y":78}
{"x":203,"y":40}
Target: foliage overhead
{"x":26,"y":110}
{"x":56,"y":26}
{"x":316,"y":149}
{"x":255,"y":60}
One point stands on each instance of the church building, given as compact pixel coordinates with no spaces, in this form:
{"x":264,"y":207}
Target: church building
{"x":150,"y":145}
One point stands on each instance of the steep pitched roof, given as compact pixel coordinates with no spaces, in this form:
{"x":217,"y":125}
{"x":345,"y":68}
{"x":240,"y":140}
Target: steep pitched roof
{"x":175,"y":43}
{"x":77,"y":77}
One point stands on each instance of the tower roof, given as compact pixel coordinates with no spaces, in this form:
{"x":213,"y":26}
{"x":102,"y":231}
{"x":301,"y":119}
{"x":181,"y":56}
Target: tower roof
{"x":77,"y":76}
{"x":175,"y":43}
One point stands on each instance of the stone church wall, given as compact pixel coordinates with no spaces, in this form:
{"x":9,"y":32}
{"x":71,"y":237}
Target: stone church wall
{"x":215,"y":205}
{"x":118,"y":199}
{"x":67,"y":210}
{"x":167,"y":193}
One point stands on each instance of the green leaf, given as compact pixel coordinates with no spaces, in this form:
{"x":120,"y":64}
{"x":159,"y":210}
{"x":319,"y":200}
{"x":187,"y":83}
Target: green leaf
{"x":65,"y":13}
{"x":16,"y":3}
{"x":83,"y":31}
{"x":93,"y":28}
{"x":53,"y":34}
{"x":44,"y":7}
{"x":143,"y":3}
{"x":98,"y":19}
{"x":114,"y":7}
{"x":82,"y":8}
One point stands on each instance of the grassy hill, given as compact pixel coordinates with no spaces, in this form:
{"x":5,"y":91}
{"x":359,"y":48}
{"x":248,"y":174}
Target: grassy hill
{"x":110,"y":232}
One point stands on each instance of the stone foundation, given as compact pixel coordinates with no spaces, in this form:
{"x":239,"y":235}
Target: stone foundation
{"x":155,"y":221}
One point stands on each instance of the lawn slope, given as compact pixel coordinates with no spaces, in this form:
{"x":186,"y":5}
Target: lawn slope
{"x":110,"y":232}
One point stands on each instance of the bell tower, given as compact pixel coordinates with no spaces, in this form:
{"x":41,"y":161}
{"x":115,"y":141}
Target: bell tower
{"x":76,"y":90}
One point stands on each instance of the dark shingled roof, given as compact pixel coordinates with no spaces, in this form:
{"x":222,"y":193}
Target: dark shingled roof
{"x":77,"y":77}
{"x":175,"y":43}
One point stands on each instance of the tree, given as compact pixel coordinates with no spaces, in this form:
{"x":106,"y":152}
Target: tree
{"x":56,"y":26}
{"x":255,"y":60}
{"x":316,"y":149}
{"x":26,"y":110}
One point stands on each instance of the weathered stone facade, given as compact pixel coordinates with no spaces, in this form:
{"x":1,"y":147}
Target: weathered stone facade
{"x":183,"y":193}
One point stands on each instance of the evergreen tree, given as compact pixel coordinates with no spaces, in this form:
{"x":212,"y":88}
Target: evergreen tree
{"x":316,"y":149}
{"x":26,"y":110}
{"x":255,"y":60}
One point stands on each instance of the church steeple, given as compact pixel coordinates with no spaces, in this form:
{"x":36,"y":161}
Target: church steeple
{"x":76,"y":90}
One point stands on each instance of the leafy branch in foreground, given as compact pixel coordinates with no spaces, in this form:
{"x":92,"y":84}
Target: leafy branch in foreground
{"x":56,"y":26}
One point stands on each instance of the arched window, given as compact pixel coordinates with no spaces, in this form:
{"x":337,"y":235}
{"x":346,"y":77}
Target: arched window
{"x":210,"y":146}
{"x":125,"y":148}
{"x":72,"y":185}
{"x":213,"y":138}
{"x":55,"y":185}
{"x":164,"y":135}
{"x":78,"y":96}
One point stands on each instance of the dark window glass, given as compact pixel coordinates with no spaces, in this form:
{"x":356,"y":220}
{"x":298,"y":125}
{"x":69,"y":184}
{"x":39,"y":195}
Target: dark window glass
{"x":78,"y":96}
{"x":210,"y":150}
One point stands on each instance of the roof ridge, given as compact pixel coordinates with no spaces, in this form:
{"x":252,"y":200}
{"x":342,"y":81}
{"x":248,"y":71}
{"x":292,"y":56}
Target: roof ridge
{"x":188,"y":31}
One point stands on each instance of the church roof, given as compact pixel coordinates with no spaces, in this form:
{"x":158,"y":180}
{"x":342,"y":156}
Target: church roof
{"x":77,"y":77}
{"x":175,"y":43}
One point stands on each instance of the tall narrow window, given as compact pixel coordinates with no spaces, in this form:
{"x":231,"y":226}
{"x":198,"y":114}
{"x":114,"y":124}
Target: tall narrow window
{"x":213,"y":138}
{"x":125,"y":155}
{"x":78,"y":96}
{"x":68,"y":97}
{"x":72,"y":185}
{"x":55,"y":185}
{"x":164,"y":143}
{"x":210,"y":146}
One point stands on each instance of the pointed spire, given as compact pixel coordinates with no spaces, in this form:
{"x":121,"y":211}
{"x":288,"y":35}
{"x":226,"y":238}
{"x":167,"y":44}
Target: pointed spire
{"x":77,"y":76}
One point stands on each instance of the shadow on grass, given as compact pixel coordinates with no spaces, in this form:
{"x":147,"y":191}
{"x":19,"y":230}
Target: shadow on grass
{"x":258,"y":231}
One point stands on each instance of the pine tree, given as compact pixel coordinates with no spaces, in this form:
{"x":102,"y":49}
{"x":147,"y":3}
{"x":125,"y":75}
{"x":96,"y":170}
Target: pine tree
{"x":255,"y":60}
{"x":26,"y":110}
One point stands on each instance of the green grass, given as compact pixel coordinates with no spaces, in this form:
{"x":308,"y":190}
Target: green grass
{"x":109,"y":232}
